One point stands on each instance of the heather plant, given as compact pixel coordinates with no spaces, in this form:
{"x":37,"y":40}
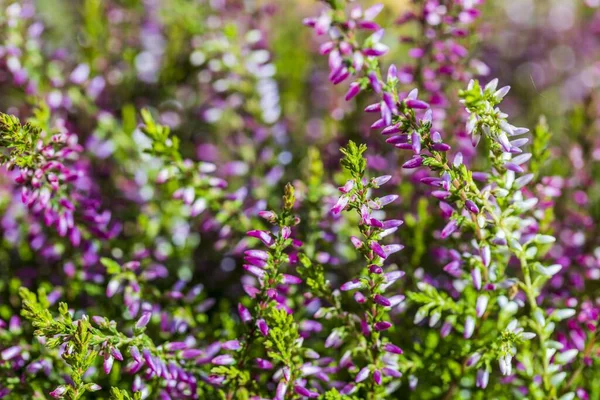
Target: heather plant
{"x":209,"y":200}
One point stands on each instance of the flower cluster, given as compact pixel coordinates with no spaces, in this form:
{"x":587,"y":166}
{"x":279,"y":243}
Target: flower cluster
{"x":269,"y":321}
{"x":381,"y":353}
{"x":54,"y":184}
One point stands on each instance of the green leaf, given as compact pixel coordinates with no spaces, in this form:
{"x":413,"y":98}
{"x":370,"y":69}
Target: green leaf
{"x":112,"y":267}
{"x":353,"y":160}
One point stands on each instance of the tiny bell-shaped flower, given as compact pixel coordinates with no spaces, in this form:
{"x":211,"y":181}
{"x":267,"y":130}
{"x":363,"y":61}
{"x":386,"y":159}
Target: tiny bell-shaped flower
{"x":225,"y":359}
{"x":262,"y":327}
{"x":481,"y":305}
{"x":469,"y":327}
{"x":505,"y":363}
{"x":144,"y":319}
{"x":473,"y":359}
{"x":362,"y":374}
{"x":483,"y":377}
{"x":59,"y":392}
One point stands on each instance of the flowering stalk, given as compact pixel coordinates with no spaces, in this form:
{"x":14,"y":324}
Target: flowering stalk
{"x":380,"y":353}
{"x":268,"y":320}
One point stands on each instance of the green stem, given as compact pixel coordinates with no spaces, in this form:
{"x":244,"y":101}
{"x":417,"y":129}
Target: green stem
{"x":539,"y":329}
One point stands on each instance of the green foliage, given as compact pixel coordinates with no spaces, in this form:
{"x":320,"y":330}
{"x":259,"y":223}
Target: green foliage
{"x":289,"y":198}
{"x":540,"y":146}
{"x":233,"y":374}
{"x":315,"y":169}
{"x":333,"y":394}
{"x":83,"y":341}
{"x":353,"y":160}
{"x":20,"y":142}
{"x":436,"y":305}
{"x":121,"y":394}
{"x":314,"y":276}
{"x":282,"y":344}
{"x":80,"y":353}
{"x":112,"y":267}
{"x":474,"y":99}
{"x":163,"y":144}
{"x":95,"y":29}
{"x":433,"y":301}
{"x":487,"y":120}
{"x":35,"y":309}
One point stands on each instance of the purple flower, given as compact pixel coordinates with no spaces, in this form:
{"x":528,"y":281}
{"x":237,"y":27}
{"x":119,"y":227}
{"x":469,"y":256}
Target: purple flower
{"x":353,"y":90}
{"x":260,"y":254}
{"x":359,"y":297}
{"x":482,"y":380}
{"x":445,"y":329}
{"x":244,"y":313}
{"x":392,"y":248}
{"x":174,"y":346}
{"x":347,"y":186}
{"x":379,"y":299}
{"x":263,"y":364}
{"x":113,"y":286}
{"x":472,"y":207}
{"x":378,"y":249}
{"x":394,"y":373}
{"x":473,"y":359}
{"x":469,"y":327}
{"x":414,"y":162}
{"x":390,"y":130}
{"x":333,"y":340}
{"x":351,"y":285}
{"x":481,"y":305}
{"x":264,"y":236}
{"x":286,"y":232}
{"x":392,"y":223}
{"x":302,"y":391}
{"x":144,"y":319}
{"x":393,"y":276}
{"x":94,"y":387}
{"x":356,"y":242}
{"x":10,"y":353}
{"x":59,"y":392}
{"x":382,"y":180}
{"x":262,"y":326}
{"x":377,"y":376}
{"x":340,"y":205}
{"x":256,"y":271}
{"x":476,"y":277}
{"x":224,"y":359}
{"x":290,"y":279}
{"x":375,"y":269}
{"x":392,"y":348}
{"x":232,"y":345}
{"x":374,"y":81}
{"x":416,"y":104}
{"x":486,"y":255}
{"x":268,"y":215}
{"x":108,"y":363}
{"x":382,"y":325}
{"x":281,"y":390}
{"x":362,"y":374}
